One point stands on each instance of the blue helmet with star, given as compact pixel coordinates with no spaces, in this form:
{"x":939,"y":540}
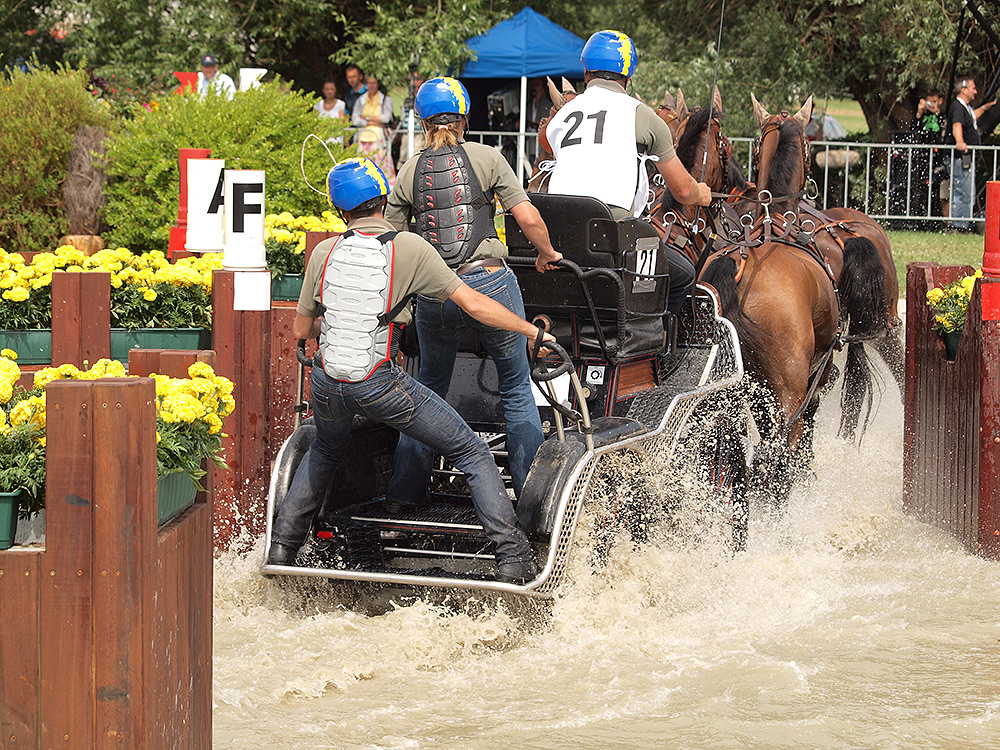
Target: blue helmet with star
{"x":355,"y":181}
{"x":442,"y":96}
{"x":612,"y":51}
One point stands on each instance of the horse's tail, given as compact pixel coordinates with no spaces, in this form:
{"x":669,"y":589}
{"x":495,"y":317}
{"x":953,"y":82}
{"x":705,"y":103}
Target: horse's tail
{"x":862,"y":288}
{"x":858,"y":393}
{"x":721,"y":274}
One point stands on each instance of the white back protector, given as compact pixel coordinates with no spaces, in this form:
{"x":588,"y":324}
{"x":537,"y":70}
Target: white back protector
{"x":355,"y":291}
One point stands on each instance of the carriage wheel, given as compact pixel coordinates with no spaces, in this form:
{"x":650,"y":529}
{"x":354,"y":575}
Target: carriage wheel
{"x":721,"y":451}
{"x":288,"y":460}
{"x":621,"y":501}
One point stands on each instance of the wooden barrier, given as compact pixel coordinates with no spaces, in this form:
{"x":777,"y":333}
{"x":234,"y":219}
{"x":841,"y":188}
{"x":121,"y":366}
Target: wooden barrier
{"x":951,"y":437}
{"x":106,"y":640}
{"x":242,"y":342}
{"x":81,"y":317}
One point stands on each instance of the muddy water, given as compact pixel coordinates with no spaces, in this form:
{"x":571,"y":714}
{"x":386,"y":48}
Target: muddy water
{"x":845,"y":625}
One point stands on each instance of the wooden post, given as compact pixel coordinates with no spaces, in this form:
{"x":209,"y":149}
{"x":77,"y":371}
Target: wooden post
{"x":178,"y":232}
{"x":81,"y":317}
{"x":242,"y":342}
{"x":111,"y":646}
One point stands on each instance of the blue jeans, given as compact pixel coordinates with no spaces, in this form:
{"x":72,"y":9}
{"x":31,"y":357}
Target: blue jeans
{"x":963,"y":190}
{"x":440,"y":327}
{"x":394,"y":398}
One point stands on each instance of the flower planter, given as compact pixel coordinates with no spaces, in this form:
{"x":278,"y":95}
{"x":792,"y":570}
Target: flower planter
{"x":287,"y":287}
{"x":8,"y":518}
{"x":157,"y":338}
{"x":33,"y":347}
{"x":951,"y":341}
{"x":175,"y":492}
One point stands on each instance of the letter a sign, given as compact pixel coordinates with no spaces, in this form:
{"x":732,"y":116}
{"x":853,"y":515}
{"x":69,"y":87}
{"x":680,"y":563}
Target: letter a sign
{"x":206,"y":217}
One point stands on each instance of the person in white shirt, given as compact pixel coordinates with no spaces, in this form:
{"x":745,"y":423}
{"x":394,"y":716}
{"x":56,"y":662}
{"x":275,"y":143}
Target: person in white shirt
{"x":330,"y":105}
{"x":602,"y":139}
{"x":211,"y":78}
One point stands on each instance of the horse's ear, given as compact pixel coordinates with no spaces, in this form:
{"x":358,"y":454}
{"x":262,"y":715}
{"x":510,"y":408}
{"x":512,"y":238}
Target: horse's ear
{"x":567,"y":87}
{"x":803,"y":116}
{"x":682,"y":108}
{"x":717,"y":100}
{"x":669,"y":102}
{"x":760,"y":114}
{"x":557,"y":99}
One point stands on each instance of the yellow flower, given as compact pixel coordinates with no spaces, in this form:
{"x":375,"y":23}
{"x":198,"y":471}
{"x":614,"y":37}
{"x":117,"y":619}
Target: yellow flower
{"x":935,"y":295}
{"x":17,"y":294}
{"x":148,"y":294}
{"x":8,"y":353}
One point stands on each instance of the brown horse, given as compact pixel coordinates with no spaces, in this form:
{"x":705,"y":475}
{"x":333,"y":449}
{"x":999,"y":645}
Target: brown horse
{"x":782,"y":300}
{"x":855,"y":247}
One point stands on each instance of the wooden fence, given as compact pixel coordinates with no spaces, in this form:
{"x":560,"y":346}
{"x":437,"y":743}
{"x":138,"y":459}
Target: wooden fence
{"x":951,"y":438}
{"x":254,"y":349}
{"x":106,"y":640}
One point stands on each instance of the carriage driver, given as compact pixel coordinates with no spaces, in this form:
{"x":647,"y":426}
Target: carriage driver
{"x":449,"y":189}
{"x":602,"y":139}
{"x":354,"y":295}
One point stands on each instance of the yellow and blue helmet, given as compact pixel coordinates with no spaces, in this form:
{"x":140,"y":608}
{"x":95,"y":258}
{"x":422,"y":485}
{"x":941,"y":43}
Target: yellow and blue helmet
{"x":442,"y":96}
{"x":355,"y":181}
{"x":612,"y":51}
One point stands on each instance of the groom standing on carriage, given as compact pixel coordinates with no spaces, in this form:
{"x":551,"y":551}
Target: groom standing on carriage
{"x":604,"y":137}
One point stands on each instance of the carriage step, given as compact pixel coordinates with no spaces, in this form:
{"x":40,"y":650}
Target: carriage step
{"x":367,"y":535}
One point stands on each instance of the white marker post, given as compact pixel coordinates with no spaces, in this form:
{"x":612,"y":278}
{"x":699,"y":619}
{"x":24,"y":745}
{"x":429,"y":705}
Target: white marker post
{"x":206,"y":214}
{"x":250,"y":77}
{"x":244,"y":250}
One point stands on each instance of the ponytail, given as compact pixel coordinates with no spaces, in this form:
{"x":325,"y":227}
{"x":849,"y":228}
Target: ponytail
{"x":443,"y":135}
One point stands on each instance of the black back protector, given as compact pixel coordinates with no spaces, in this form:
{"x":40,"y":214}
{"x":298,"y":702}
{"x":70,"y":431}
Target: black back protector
{"x":452,"y":212}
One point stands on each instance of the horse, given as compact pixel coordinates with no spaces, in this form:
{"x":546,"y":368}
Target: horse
{"x":782,"y":300}
{"x":858,"y":252}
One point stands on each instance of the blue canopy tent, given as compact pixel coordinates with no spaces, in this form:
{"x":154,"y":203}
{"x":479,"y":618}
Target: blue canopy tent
{"x":527,"y":45}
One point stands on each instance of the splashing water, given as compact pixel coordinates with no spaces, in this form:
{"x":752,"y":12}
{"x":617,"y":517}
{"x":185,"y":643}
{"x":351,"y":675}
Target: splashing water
{"x":845,"y":624}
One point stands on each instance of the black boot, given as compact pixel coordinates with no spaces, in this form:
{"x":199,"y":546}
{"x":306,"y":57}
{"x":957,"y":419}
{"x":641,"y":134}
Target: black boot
{"x":281,"y":554}
{"x":517,"y":572}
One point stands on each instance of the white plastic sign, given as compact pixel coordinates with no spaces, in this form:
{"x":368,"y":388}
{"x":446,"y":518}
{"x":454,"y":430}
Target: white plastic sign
{"x":244,"y":200}
{"x":205,"y":209}
{"x":250,"y":77}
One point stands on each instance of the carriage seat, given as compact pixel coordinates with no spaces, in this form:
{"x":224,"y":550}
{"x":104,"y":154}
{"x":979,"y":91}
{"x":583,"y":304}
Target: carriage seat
{"x":585,"y":231}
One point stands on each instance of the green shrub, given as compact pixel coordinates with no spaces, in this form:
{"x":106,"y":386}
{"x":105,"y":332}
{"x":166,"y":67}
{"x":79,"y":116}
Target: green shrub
{"x":262,"y":128}
{"x":40,"y":112}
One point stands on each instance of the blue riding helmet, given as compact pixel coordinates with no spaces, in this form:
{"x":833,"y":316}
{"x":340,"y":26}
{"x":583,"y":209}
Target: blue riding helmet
{"x":442,"y":96}
{"x":353,"y":182}
{"x":612,"y":51}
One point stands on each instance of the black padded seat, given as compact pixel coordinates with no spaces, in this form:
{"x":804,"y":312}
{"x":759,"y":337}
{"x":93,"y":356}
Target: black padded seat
{"x":585,"y":231}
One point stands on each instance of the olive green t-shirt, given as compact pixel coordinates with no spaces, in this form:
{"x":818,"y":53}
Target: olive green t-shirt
{"x":495,"y":176}
{"x":417,"y":269}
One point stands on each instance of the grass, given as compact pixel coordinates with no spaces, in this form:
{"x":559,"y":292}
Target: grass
{"x":846,"y":111}
{"x":934,"y":247}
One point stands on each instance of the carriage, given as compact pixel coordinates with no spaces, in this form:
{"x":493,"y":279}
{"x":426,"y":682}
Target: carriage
{"x":621,"y":387}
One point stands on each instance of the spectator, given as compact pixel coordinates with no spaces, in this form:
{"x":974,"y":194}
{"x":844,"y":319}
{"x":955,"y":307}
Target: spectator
{"x":929,"y":126}
{"x":964,"y":133}
{"x":330,"y":105}
{"x":402,"y":144}
{"x":355,"y":87}
{"x":929,"y":121}
{"x":539,"y":106}
{"x":211,"y":78}
{"x":372,"y":114}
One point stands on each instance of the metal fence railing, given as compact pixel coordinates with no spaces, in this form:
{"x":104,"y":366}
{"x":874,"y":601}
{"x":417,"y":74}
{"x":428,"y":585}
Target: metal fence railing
{"x":905,"y":185}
